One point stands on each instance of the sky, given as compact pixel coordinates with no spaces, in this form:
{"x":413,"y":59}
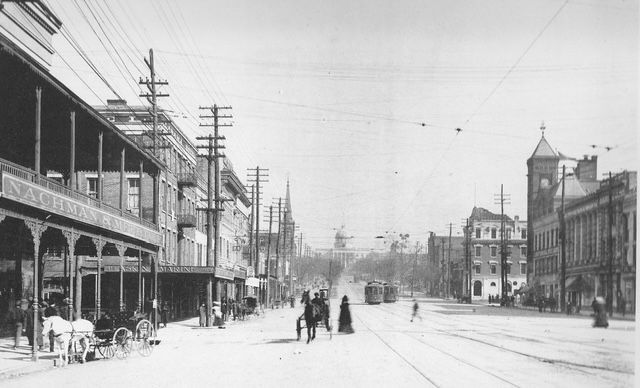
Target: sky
{"x":386,"y":117}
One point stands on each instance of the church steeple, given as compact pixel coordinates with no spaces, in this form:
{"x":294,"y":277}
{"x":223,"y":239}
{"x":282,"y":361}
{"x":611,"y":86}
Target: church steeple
{"x":288,"y":201}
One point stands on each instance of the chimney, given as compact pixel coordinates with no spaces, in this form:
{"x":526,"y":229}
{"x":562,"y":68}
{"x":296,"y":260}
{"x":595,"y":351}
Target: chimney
{"x":587,"y":169}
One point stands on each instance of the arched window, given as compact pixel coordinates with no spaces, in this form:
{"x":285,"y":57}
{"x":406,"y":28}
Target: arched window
{"x":477,"y":288}
{"x":493,"y":284}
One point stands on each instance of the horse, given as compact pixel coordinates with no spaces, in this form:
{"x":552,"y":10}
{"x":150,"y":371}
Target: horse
{"x":82,"y":334}
{"x":62,"y":332}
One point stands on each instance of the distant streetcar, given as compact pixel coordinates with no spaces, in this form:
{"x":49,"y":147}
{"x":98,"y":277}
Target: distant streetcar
{"x":390,"y":293}
{"x":373,"y":292}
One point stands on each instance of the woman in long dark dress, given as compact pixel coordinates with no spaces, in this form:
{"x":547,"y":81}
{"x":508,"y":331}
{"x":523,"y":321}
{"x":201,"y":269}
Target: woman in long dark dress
{"x":344,"y":320}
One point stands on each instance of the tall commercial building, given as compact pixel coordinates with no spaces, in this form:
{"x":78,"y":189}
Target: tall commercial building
{"x":56,"y":236}
{"x":600,"y":229}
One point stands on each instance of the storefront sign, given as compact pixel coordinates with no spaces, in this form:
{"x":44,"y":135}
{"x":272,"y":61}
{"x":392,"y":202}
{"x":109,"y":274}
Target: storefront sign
{"x":162,"y":269}
{"x":28,"y":193}
{"x":224,"y":273}
{"x":239,"y":273}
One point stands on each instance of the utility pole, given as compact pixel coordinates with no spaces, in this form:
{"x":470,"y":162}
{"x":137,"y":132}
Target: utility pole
{"x":415,"y":262}
{"x":268,"y":297}
{"x":503,"y":247}
{"x":284,"y":248}
{"x":444,"y":276}
{"x":214,"y":200}
{"x":251,"y":217}
{"x":151,"y":97}
{"x":467,"y":258}
{"x":257,"y":179}
{"x":449,"y":262}
{"x":278,"y":248}
{"x":299,"y":258}
{"x":563,"y":260}
{"x":609,"y":298}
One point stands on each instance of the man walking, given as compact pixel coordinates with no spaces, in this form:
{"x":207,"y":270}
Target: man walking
{"x":415,"y":311}
{"x":17,"y":318}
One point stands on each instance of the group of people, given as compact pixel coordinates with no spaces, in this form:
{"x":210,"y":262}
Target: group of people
{"x":22,"y":321}
{"x":229,"y":309}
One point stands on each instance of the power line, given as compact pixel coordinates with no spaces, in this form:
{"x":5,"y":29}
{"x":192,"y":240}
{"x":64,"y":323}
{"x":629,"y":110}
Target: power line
{"x":517,"y":62}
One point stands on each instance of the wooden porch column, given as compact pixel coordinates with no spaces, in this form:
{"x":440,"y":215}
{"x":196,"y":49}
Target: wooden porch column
{"x":140,"y":188}
{"x":122,"y":162}
{"x":121,"y":250}
{"x":99,"y":243}
{"x":99,"y":188}
{"x":72,"y":152}
{"x":139,"y":280}
{"x":37,"y":129}
{"x":156,"y":193}
{"x":72,"y":238}
{"x":36,"y":228}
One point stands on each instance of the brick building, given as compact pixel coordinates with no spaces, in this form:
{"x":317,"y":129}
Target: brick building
{"x":485,"y":252}
{"x":56,"y":240}
{"x":600,"y":221}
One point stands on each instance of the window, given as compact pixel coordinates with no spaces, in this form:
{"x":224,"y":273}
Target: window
{"x":508,"y":236}
{"x":478,"y":268}
{"x":477,"y":288}
{"x":493,"y":284}
{"x":523,"y":268}
{"x":478,"y":233}
{"x":494,"y":251}
{"x":493,"y":232}
{"x":133,"y":196}
{"x":523,"y":251}
{"x":92,"y":187}
{"x":478,"y":251}
{"x":507,"y":269}
{"x":493,"y":268}
{"x":523,"y":234}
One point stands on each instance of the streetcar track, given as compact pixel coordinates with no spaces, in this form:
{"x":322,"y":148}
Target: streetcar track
{"x":412,"y":365}
{"x":569,"y":364}
{"x":446,"y":353}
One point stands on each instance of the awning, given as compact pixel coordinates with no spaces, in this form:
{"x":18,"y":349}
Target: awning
{"x":252,"y":282}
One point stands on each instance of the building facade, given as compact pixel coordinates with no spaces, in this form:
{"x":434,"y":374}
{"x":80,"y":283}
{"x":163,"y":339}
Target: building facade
{"x":57,"y":239}
{"x":600,"y":229}
{"x":486,"y":250}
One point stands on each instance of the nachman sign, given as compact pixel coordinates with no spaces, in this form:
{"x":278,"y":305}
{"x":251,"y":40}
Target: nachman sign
{"x":28,"y":193}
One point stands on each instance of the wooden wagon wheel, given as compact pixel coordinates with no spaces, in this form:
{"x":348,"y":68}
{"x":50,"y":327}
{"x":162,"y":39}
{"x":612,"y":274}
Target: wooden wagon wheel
{"x":145,"y":337}
{"x":122,"y":343}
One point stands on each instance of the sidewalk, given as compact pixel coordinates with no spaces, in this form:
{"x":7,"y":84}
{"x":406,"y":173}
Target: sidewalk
{"x":18,"y":362}
{"x":15,"y":363}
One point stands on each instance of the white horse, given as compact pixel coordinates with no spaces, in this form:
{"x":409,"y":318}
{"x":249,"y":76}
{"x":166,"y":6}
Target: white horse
{"x":62,"y":332}
{"x":82,"y":334}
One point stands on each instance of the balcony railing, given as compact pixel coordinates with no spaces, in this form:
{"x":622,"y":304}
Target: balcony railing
{"x":186,"y":220}
{"x":41,"y":180}
{"x":187,"y":179}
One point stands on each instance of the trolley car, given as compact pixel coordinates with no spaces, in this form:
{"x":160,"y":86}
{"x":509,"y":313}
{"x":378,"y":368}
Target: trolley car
{"x":390,"y":293}
{"x":373,"y":293}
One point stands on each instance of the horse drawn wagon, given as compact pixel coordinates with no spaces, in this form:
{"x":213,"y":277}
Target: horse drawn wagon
{"x":316,"y":314}
{"x":118,"y":335}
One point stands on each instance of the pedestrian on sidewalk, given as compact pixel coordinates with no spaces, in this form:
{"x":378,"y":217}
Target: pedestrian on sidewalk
{"x":164,"y":312}
{"x":415,"y":311}
{"x":17,"y":319}
{"x":203,"y":315}
{"x":30,"y":324}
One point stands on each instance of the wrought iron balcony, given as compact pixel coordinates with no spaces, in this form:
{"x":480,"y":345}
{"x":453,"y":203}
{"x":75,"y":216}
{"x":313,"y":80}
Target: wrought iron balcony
{"x":187,"y":179}
{"x":186,"y":220}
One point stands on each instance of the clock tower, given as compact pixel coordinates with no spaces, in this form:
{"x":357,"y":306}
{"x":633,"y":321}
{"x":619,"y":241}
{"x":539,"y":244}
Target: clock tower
{"x":542,"y":174}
